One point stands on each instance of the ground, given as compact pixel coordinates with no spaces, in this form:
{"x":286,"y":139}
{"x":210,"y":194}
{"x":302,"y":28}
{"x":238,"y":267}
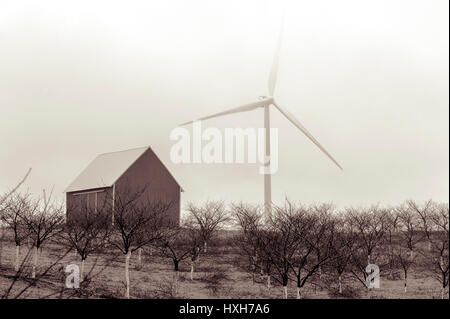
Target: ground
{"x":221,"y":273}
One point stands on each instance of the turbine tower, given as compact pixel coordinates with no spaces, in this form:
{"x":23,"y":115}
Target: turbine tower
{"x":265,"y":102}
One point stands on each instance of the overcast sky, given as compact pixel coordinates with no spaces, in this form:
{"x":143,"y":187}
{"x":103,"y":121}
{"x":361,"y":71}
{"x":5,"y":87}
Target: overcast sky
{"x":369,"y":79}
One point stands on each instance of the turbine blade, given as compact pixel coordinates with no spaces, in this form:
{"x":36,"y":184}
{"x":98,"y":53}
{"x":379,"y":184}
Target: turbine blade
{"x":242,"y":108}
{"x":299,"y":125}
{"x":276,"y":58}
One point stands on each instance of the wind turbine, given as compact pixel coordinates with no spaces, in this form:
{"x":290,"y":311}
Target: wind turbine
{"x":265,"y":102}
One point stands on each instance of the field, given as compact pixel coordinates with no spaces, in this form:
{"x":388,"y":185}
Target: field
{"x":220,"y":273}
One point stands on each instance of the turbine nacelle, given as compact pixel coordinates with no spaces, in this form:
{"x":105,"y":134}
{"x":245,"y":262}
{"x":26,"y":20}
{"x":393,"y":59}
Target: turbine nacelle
{"x":268,"y":99}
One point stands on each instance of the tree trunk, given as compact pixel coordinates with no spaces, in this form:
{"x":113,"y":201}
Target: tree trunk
{"x":175,"y":277}
{"x":16,"y":261}
{"x":139,"y":258}
{"x":175,"y":283}
{"x":192,"y":270}
{"x":127,"y":273}
{"x":411,"y":256}
{"x":268,"y":282}
{"x":299,"y":296}
{"x":285,"y":292}
{"x":82,"y":270}
{"x":340,"y":284}
{"x":205,"y":245}
{"x":253,"y":271}
{"x":35,"y":262}
{"x":406,"y":280}
{"x":284,"y":281}
{"x":391,"y":264}
{"x":369,"y":259}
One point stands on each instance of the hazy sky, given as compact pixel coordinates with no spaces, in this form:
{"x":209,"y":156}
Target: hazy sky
{"x":369,"y":79}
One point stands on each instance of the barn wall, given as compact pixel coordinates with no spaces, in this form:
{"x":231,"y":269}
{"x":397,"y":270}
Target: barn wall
{"x":81,"y":203}
{"x":148,"y":171}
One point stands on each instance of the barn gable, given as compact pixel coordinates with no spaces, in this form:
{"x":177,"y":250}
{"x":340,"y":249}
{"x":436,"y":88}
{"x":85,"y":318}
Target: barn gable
{"x":148,"y":170}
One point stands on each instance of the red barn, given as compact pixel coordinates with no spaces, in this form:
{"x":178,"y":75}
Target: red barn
{"x":111,"y":174}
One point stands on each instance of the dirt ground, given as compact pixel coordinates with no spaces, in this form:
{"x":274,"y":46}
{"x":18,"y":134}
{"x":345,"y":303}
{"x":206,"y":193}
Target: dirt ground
{"x":221,"y":273}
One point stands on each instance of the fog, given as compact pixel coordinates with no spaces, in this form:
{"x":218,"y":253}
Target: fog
{"x":369,"y":79}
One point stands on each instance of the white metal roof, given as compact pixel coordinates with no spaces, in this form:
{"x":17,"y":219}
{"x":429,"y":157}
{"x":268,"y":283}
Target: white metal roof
{"x":105,"y":169}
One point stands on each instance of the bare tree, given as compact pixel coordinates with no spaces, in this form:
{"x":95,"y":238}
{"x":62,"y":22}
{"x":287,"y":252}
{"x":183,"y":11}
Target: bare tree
{"x":179,"y":244}
{"x":137,"y":222}
{"x":410,"y":234}
{"x":18,"y":205}
{"x":283,"y":241}
{"x":392,"y":224}
{"x":194,"y":241}
{"x":435,"y":223}
{"x":314,"y":231}
{"x":370,"y":226}
{"x":324,"y":212}
{"x":341,"y":247}
{"x":87,"y":230}
{"x":405,"y":260}
{"x":208,"y":219}
{"x":253,"y":239}
{"x":4,"y":199}
{"x":44,"y":220}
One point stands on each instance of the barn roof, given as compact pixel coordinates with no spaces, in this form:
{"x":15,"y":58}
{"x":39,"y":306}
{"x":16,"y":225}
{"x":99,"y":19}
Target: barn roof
{"x":106,"y":169}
